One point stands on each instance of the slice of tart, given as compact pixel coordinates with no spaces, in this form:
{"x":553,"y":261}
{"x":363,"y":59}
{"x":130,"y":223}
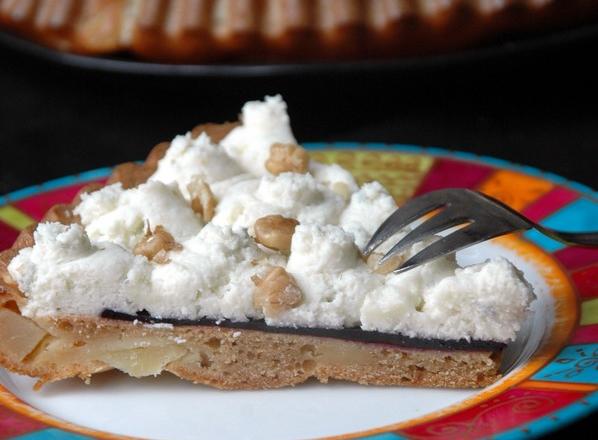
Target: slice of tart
{"x":231,"y":259}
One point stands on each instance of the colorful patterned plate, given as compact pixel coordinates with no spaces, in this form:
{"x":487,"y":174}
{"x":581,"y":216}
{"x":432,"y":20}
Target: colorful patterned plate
{"x":551,"y":371}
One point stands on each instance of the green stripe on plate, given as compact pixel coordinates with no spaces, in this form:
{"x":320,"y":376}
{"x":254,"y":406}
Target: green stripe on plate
{"x":15,"y":218}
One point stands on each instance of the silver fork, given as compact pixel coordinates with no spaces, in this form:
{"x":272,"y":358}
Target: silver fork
{"x":481,"y":216}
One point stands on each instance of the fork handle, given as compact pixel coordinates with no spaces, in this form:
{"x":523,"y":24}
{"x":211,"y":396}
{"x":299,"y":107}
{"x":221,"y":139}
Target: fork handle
{"x":588,"y":239}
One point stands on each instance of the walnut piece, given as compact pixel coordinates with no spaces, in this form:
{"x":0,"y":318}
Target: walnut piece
{"x":216,"y":132}
{"x":275,"y":232}
{"x":130,"y":174}
{"x":203,"y":201}
{"x":61,"y":213}
{"x":156,"y":245}
{"x":342,"y":189}
{"x":287,"y":157}
{"x":276,"y":292}
{"x":155,"y":155}
{"x":388,"y":266}
{"x":25,"y":238}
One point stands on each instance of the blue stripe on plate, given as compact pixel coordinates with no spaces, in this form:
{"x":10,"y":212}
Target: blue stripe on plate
{"x":546,"y":243}
{"x":557,"y":420}
{"x":435,"y":151}
{"x":467,"y":156}
{"x":555,"y":178}
{"x":382,"y":146}
{"x":23,"y":193}
{"x":378,"y":146}
{"x":51,"y":434}
{"x":348,"y":145}
{"x":95,"y":174}
{"x":316,"y":145}
{"x":581,"y":187}
{"x":496,"y":162}
{"x":581,"y":215}
{"x":408,"y":148}
{"x":54,"y":184}
{"x":575,"y":363}
{"x":59,"y":183}
{"x":385,"y":436}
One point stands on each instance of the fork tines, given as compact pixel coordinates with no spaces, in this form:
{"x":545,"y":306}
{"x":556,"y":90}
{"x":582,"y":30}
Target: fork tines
{"x":481,"y":218}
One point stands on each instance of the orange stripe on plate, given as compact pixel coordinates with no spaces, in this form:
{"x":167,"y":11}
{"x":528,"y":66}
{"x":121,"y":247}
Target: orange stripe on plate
{"x":567,"y":386}
{"x":515,"y":189}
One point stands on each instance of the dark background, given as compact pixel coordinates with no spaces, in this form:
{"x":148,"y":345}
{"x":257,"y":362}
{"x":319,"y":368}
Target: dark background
{"x":539,"y":108}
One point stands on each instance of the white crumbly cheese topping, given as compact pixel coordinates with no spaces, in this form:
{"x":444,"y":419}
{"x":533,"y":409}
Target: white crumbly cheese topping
{"x":211,"y":276}
{"x":334,"y":177}
{"x":65,"y":273}
{"x":439,"y":299}
{"x":292,"y":195}
{"x":86,"y":269}
{"x":121,"y":216}
{"x":334,"y":280}
{"x":485,"y":301}
{"x":367,"y":209}
{"x":264,"y":123}
{"x":187,"y":159}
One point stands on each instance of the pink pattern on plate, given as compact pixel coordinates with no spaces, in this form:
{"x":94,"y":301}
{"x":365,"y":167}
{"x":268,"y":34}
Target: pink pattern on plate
{"x":576,"y":257}
{"x":13,"y":424}
{"x":586,"y":280}
{"x":7,"y":236}
{"x":512,"y":408}
{"x":550,"y":203}
{"x":449,"y":173}
{"x":585,"y":334}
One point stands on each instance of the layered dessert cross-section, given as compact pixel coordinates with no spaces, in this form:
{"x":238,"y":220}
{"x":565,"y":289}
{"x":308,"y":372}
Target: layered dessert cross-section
{"x":230,"y":258}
